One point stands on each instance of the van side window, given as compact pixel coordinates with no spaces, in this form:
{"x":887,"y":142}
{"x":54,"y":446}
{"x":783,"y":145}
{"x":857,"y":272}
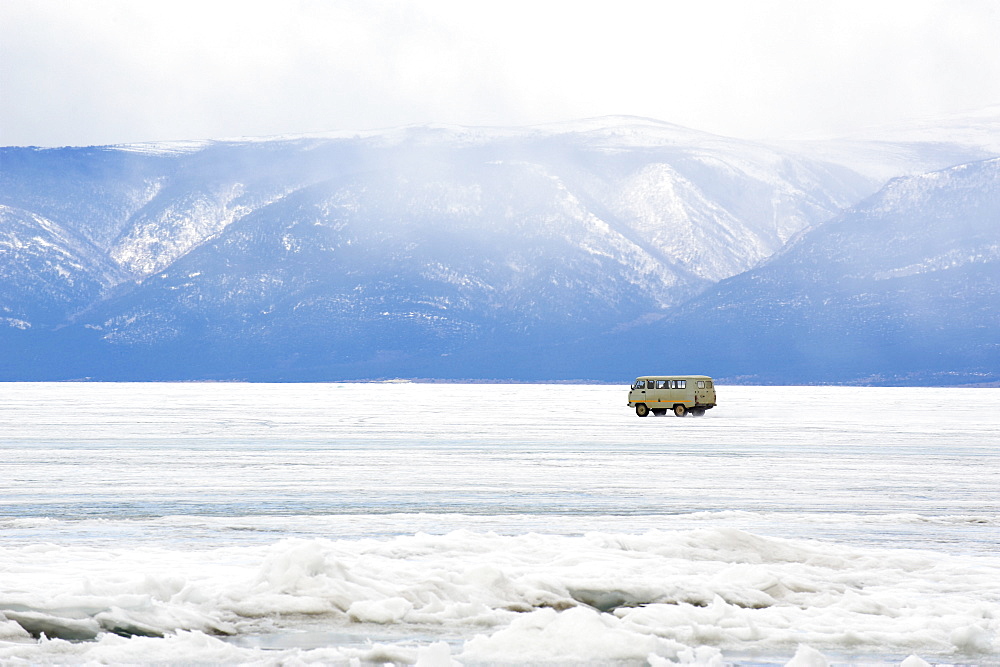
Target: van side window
{"x":681,"y":384}
{"x":701,"y":384}
{"x":640,"y":384}
{"x":661,"y":384}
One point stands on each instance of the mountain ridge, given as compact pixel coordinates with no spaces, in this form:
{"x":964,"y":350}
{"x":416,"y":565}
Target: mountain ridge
{"x":903,"y":286}
{"x":413,"y":252}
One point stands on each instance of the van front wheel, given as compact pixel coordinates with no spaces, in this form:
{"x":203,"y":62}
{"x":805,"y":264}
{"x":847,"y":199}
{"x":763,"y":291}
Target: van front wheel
{"x":641,"y":409}
{"x":680,"y":410}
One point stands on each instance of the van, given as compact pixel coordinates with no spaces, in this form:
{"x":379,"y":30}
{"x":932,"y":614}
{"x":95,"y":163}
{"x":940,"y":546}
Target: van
{"x":684,"y":394}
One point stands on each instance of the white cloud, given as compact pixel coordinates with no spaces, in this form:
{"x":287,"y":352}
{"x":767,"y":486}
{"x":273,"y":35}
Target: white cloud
{"x":107,"y":71}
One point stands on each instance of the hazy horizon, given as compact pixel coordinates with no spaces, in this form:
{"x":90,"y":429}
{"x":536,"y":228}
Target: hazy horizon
{"x":113,"y":72}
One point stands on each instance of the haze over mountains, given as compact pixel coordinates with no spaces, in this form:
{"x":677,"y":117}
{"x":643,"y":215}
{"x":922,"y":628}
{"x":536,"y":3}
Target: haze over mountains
{"x":599,"y":249}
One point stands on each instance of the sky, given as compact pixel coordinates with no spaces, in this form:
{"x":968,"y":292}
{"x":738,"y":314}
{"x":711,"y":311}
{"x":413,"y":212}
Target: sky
{"x":118,"y":71}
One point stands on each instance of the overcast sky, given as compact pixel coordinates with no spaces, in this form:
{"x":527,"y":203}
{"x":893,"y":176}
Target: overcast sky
{"x":88,"y":72}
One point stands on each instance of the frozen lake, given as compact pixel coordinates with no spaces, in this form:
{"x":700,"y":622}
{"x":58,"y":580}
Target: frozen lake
{"x":477,"y":524}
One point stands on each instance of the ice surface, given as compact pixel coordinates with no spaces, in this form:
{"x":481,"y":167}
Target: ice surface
{"x":481,"y":524}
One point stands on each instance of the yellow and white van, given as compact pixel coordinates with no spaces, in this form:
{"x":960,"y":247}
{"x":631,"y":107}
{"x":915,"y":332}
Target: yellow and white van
{"x":684,"y":394}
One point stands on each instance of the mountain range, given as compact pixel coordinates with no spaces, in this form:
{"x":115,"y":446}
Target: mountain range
{"x":598,"y":249}
{"x":902,"y":288}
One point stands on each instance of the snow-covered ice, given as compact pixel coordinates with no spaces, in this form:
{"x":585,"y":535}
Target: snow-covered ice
{"x":472,"y":524}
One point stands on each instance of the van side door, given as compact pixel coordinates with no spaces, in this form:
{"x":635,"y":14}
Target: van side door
{"x":661,"y":396}
{"x":678,"y":392}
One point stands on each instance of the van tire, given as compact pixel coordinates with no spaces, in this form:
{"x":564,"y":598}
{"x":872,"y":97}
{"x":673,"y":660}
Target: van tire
{"x":680,"y":410}
{"x":697,"y":412}
{"x":641,"y":409}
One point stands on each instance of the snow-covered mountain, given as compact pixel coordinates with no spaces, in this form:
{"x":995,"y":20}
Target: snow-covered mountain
{"x":904,"y":287}
{"x":45,"y":270}
{"x":426,"y":251}
{"x":414,"y":242}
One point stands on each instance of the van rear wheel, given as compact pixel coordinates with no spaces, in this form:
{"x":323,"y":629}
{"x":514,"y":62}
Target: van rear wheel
{"x":641,"y":409}
{"x":680,"y":410}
